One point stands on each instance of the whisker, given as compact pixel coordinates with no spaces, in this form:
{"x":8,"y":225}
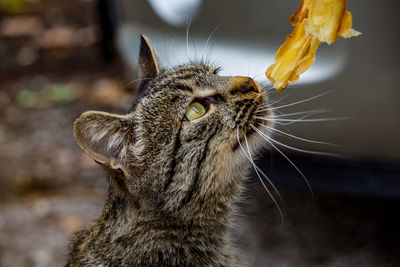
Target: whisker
{"x":211,"y":34}
{"x":265,"y":107}
{"x":299,"y":149}
{"x":301,"y":101}
{"x":278,"y":117}
{"x":286,"y":157}
{"x":281,"y":98}
{"x":308,"y":112}
{"x":296,"y":137}
{"x":248,"y":156}
{"x":268,"y":88}
{"x":196,"y":56}
{"x":188,"y":23}
{"x":140,"y":79}
{"x":291,"y":121}
{"x":208,"y":55}
{"x":310,"y":120}
{"x":270,"y":182}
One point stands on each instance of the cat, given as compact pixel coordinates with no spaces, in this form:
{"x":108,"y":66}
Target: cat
{"x":175,"y":165}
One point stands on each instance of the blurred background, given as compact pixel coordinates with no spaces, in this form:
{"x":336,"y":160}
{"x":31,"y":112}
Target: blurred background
{"x":60,"y":58}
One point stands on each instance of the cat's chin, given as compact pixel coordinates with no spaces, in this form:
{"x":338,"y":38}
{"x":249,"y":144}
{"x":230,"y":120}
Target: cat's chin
{"x":251,"y":141}
{"x":256,"y":141}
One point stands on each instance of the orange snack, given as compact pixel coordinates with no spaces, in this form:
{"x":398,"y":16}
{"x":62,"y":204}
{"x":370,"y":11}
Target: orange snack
{"x":315,"y":21}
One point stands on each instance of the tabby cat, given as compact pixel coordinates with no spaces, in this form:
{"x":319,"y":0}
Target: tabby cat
{"x":175,"y":168}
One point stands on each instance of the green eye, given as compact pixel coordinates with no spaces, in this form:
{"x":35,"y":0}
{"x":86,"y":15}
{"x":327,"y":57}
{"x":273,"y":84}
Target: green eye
{"x":195,"y":110}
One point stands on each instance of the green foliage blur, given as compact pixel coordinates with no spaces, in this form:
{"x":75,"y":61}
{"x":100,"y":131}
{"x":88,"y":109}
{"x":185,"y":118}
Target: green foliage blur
{"x":11,"y":6}
{"x":54,"y":94}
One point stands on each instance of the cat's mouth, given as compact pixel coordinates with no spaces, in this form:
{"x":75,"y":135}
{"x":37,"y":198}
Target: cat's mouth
{"x":260,"y":118}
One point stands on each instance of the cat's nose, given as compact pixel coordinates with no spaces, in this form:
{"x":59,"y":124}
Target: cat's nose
{"x":245,"y":85}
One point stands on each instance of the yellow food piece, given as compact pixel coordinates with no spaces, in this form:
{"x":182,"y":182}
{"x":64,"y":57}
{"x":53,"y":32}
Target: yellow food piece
{"x":315,"y":21}
{"x":195,"y":110}
{"x":293,"y":58}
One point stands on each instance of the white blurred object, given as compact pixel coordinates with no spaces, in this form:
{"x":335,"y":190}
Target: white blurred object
{"x":235,"y":57}
{"x":175,"y":12}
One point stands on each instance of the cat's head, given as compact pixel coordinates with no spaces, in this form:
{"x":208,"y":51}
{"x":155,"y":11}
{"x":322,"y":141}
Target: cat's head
{"x":180,"y":146}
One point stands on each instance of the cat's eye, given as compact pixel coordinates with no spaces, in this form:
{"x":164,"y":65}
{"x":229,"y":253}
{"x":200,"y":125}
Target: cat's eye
{"x":194,"y":111}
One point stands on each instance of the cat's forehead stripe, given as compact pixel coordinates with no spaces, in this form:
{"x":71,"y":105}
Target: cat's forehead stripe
{"x":195,"y":68}
{"x":175,"y":83}
{"x":185,"y":78}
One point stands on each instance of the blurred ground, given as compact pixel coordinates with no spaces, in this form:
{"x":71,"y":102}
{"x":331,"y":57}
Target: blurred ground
{"x":51,"y":70}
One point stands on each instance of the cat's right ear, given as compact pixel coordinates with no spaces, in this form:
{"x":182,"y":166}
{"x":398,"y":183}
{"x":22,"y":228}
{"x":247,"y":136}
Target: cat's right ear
{"x":148,"y":63}
{"x":107,"y":138}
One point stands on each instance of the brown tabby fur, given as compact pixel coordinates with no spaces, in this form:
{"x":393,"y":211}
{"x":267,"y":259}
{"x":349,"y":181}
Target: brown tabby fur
{"x":173,"y":183}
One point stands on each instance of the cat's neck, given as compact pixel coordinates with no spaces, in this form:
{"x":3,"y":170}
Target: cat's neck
{"x":122,"y":211}
{"x":127,"y":233}
{"x":122,"y":223}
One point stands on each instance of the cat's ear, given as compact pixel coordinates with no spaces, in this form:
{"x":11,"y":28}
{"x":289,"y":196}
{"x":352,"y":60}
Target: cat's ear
{"x":105,"y":137}
{"x":148,"y":64}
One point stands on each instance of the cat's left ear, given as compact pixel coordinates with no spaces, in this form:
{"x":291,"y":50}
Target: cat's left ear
{"x":105,"y":137}
{"x":148,"y":63}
